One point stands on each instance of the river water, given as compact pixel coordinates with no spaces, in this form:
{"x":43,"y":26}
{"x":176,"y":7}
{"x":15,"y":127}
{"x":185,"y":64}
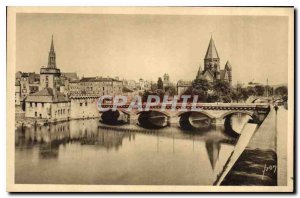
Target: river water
{"x":87,"y":152}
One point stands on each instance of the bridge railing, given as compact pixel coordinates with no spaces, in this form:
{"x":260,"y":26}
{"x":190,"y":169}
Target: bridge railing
{"x":198,"y":106}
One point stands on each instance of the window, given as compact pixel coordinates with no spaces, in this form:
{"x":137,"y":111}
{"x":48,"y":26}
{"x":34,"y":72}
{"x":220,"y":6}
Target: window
{"x":42,"y":104}
{"x":35,"y":114}
{"x":31,"y":104}
{"x":36,"y":104}
{"x":80,"y":104}
{"x":85,"y":103}
{"x":63,"y":111}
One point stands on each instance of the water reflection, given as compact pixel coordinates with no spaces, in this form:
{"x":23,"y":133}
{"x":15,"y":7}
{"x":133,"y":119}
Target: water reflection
{"x":166,"y":156}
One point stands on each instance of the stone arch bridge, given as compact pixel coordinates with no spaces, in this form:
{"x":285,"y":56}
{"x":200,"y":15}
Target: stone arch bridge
{"x":196,"y":116}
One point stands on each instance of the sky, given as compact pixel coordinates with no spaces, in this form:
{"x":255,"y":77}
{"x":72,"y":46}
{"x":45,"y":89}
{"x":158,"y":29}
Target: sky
{"x":147,"y":46}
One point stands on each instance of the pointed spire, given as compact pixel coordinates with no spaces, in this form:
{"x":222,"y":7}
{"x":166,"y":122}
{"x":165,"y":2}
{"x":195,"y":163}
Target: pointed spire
{"x":52,"y":56}
{"x":52,"y":45}
{"x":200,"y":71}
{"x":228,"y":66}
{"x":211,"y":50}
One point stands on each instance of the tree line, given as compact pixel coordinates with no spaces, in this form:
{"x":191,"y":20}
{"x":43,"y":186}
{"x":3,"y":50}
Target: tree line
{"x":218,"y":91}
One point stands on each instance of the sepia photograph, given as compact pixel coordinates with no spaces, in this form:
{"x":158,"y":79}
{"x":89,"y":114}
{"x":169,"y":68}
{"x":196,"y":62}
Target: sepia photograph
{"x":150,"y":99}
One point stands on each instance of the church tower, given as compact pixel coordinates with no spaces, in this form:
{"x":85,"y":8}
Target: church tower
{"x":212,"y":60}
{"x":228,"y":68}
{"x":52,"y":56}
{"x":50,"y":75}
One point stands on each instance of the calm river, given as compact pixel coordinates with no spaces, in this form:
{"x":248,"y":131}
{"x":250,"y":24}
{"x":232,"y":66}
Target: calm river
{"x":81,"y":152}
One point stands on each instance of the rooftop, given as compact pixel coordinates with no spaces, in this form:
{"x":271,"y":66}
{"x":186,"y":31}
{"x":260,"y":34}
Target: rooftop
{"x":47,"y":95}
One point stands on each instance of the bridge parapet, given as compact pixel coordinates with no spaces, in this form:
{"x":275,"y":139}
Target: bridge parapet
{"x":192,"y":107}
{"x":215,"y":111}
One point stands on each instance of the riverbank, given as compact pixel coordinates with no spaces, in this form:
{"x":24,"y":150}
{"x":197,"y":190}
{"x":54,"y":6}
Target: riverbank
{"x":263,"y":162}
{"x":31,"y":122}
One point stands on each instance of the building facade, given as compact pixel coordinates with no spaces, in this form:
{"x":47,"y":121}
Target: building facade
{"x":17,"y":93}
{"x":182,"y":86}
{"x":166,"y":80}
{"x":95,"y":86}
{"x":84,"y":106}
{"x":84,"y":95}
{"x":48,"y":104}
{"x":29,"y":83}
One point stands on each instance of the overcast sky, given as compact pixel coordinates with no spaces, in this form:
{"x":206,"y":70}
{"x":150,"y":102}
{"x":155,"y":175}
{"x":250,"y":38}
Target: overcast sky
{"x":147,"y":46}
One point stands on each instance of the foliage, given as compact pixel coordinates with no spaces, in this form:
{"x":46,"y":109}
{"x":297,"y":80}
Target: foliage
{"x":251,"y":91}
{"x":222,"y":88}
{"x":201,"y":85}
{"x":170,"y":90}
{"x":243,"y":92}
{"x":235,"y":95}
{"x":213,"y":98}
{"x":281,"y":91}
{"x":158,"y":92}
{"x":269,"y":89}
{"x":153,"y":87}
{"x":259,"y":90}
{"x":160,"y":84}
{"x":202,"y":95}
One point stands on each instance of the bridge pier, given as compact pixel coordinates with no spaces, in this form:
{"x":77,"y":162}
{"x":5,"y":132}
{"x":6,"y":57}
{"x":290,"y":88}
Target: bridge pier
{"x":133,"y":119}
{"x":217,"y":122}
{"x":173,"y":121}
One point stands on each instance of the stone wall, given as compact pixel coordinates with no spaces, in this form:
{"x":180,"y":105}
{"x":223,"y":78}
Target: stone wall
{"x":84,"y":108}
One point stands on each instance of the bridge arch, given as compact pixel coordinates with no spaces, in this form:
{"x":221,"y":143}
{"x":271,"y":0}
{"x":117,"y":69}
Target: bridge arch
{"x":195,"y":120}
{"x":236,"y":111}
{"x":153,"y":119}
{"x":158,"y":111}
{"x":229,"y":128}
{"x":124,"y":111}
{"x":203,"y":112}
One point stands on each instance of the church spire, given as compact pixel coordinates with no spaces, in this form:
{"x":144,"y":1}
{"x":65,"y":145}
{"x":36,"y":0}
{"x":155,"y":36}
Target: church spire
{"x":52,"y":56}
{"x":52,"y":45}
{"x":200,"y":71}
{"x":211,"y":52}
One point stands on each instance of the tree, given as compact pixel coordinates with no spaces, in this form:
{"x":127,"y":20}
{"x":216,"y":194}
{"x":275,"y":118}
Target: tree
{"x":251,"y":91}
{"x":170,"y":90}
{"x":202,"y":95}
{"x":160,"y":84}
{"x":235,"y":95}
{"x":269,"y":89}
{"x":153,"y":87}
{"x":158,"y":92}
{"x":259,"y":89}
{"x":244,"y":93}
{"x":201,"y":85}
{"x":222,"y":88}
{"x":221,"y":92}
{"x":146,"y":94}
{"x":214,"y":97}
{"x":281,"y":91}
